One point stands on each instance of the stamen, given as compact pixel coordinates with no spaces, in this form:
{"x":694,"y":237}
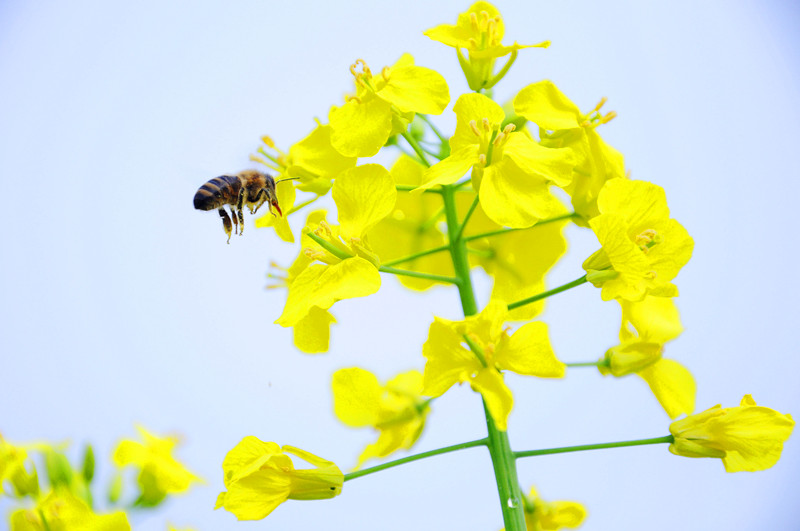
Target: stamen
{"x":647,"y":239}
{"x":473,"y":20}
{"x":324,"y":228}
{"x":499,"y":138}
{"x":599,"y":105}
{"x":313,"y":254}
{"x":484,"y":23}
{"x":352,"y":98}
{"x":510,"y":128}
{"x":473,"y":44}
{"x":490,"y":29}
{"x":608,"y":117}
{"x":474,"y":126}
{"x":385,"y":73}
{"x":487,"y":126}
{"x":482,"y":159}
{"x":268,"y":141}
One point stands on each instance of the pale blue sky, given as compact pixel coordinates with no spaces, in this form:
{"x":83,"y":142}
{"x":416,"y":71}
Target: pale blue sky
{"x":122,"y":304}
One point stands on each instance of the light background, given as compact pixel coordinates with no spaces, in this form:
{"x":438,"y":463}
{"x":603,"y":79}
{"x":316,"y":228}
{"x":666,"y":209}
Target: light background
{"x":121,"y":304}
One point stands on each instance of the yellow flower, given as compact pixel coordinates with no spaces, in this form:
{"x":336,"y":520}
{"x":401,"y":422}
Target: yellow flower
{"x":746,"y":438}
{"x":159,"y":473}
{"x":12,"y":468}
{"x":413,"y":227}
{"x":349,"y":268}
{"x":260,"y":476}
{"x":476,"y":349}
{"x":561,"y":124}
{"x":541,"y":515}
{"x":384,"y":105}
{"x":396,"y":410}
{"x":312,"y":163}
{"x":516,"y":260}
{"x":642,"y":248}
{"x":512,"y":172}
{"x":480,"y":31}
{"x":646,"y":327}
{"x":62,"y":511}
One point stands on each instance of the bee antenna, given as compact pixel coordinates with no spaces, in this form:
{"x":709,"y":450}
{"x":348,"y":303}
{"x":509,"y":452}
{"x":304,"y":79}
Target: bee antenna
{"x":287,"y":179}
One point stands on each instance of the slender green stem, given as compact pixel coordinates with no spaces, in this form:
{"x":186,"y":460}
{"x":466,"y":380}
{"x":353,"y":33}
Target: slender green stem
{"x":328,"y":246}
{"x":414,"y":256}
{"x":409,"y":459}
{"x":45,"y":524}
{"x":586,"y":364}
{"x":564,"y":449}
{"x":410,"y":187}
{"x":301,"y":205}
{"x":416,"y":147}
{"x":417,"y":274}
{"x":506,"y":231}
{"x":463,"y":225}
{"x":548,"y":293}
{"x":433,"y":128}
{"x":503,"y":461}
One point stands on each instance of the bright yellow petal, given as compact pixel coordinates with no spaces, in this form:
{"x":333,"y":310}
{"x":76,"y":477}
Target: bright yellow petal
{"x":450,"y":169}
{"x":360,"y":129}
{"x":528,"y":351}
{"x":247,"y":456}
{"x":416,"y":89}
{"x":356,"y":397}
{"x":513,"y":198}
{"x":472,"y":109}
{"x":312,"y":333}
{"x":673,"y":385}
{"x":315,"y":161}
{"x":545,"y":105}
{"x":499,"y":401}
{"x":447,"y":361}
{"x":364,"y":195}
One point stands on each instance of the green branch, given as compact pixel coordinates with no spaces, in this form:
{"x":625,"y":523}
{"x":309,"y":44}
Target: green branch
{"x":506,"y":231}
{"x":417,"y":274}
{"x":548,"y":293}
{"x":564,"y":449}
{"x":417,"y":148}
{"x":414,"y":256}
{"x":411,"y":458}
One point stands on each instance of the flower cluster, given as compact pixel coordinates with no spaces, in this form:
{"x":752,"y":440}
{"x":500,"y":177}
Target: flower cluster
{"x":491,"y":195}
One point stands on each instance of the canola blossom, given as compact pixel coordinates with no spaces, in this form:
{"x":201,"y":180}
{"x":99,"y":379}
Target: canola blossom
{"x":641,"y":245}
{"x":259,"y":476}
{"x":747,"y":437}
{"x":646,"y":327}
{"x":160,"y":473}
{"x":480,"y":213}
{"x":478,"y":348}
{"x":397,"y":409}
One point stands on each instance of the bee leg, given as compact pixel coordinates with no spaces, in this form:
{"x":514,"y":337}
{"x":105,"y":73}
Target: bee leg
{"x":239,"y":212}
{"x":226,"y":222}
{"x":235,"y":221}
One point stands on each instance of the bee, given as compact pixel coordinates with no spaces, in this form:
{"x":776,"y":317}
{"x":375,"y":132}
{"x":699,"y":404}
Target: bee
{"x":250,"y":187}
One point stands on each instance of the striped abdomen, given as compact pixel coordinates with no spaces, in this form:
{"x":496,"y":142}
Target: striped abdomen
{"x":222,"y":190}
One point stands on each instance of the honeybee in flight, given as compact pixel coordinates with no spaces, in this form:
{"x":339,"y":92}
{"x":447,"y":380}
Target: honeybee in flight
{"x":250,"y":187}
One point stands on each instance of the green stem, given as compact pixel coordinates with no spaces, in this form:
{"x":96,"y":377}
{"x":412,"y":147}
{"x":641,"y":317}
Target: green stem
{"x":410,"y":187}
{"x":417,"y":148}
{"x":417,"y":274}
{"x":564,"y":449}
{"x":414,"y":256}
{"x":463,"y":225}
{"x":409,"y":459}
{"x":505,"y":470}
{"x":436,"y":131}
{"x":506,"y":231}
{"x":548,"y":293}
{"x":586,"y":364}
{"x":301,"y":205}
{"x":45,"y":524}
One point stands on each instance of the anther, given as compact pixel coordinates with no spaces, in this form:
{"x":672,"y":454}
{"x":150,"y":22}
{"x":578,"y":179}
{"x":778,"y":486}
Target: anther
{"x":323,"y":227}
{"x":385,"y":73}
{"x":473,"y":20}
{"x":600,"y":105}
{"x":352,"y":98}
{"x":268,"y":141}
{"x":487,"y":126}
{"x":510,"y":128}
{"x":474,"y":126}
{"x":473,"y":44}
{"x":482,"y":159}
{"x":499,"y":138}
{"x":608,"y":117}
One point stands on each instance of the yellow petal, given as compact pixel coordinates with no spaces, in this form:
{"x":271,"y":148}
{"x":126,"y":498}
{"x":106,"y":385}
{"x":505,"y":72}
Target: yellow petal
{"x":673,"y":385}
{"x":356,"y":397}
{"x":416,"y":89}
{"x":451,"y":169}
{"x":312,"y":333}
{"x":545,"y":105}
{"x":499,"y":401}
{"x":469,"y":108}
{"x":360,"y":129}
{"x":529,"y":352}
{"x":447,"y":361}
{"x":364,"y":195}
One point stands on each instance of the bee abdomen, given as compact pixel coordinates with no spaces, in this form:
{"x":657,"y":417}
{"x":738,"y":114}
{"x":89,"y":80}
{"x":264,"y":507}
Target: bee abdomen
{"x":219,"y":191}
